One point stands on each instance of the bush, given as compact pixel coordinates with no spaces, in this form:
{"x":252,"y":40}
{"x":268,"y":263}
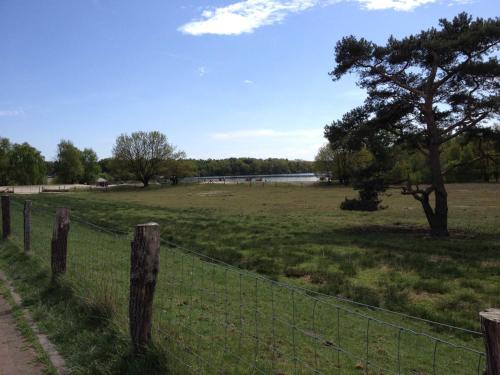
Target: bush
{"x":359,"y":205}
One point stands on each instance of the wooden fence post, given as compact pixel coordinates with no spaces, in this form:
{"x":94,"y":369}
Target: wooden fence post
{"x":60,"y":242}
{"x":6,"y":230}
{"x":490,"y":326}
{"x":145,"y":261}
{"x":27,"y":226}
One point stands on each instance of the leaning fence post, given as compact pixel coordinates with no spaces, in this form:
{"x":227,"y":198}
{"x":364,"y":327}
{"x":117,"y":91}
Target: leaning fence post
{"x":145,"y":260}
{"x":6,"y":230}
{"x":27,"y":226}
{"x":60,"y":242}
{"x":490,"y":326}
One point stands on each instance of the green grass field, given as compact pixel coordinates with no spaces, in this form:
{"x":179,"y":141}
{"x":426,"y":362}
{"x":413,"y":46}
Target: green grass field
{"x":299,"y":235}
{"x":221,"y":320}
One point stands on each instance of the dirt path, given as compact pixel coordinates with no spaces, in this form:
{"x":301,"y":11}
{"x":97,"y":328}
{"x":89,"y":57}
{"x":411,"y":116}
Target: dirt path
{"x":16,"y":355}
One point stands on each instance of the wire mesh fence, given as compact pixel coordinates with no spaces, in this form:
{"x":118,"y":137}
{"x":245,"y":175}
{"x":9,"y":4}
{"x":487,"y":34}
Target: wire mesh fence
{"x":210,"y":317}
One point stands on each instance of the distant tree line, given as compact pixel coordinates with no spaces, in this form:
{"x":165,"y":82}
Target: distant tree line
{"x":115,"y":169}
{"x":464,"y":159}
{"x":250,"y":166}
{"x":22,"y":164}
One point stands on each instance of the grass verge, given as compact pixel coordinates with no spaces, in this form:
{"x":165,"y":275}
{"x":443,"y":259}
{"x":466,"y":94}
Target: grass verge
{"x":79,"y":330}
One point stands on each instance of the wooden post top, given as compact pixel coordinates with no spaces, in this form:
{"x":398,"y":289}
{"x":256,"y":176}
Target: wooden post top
{"x":148,"y":225}
{"x":491,"y":314}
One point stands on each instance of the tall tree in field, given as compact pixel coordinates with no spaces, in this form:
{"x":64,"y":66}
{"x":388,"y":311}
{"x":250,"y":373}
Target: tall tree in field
{"x":91,"y":167}
{"x":144,"y":153}
{"x":423,"y":91}
{"x":26,"y":165}
{"x":68,"y":165}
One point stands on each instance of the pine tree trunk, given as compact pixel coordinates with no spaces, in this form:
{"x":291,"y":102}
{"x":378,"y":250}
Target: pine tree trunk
{"x":438,"y":220}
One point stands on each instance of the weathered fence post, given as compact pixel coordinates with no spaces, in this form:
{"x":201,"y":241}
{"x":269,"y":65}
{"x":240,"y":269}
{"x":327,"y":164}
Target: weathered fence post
{"x":60,"y":242}
{"x":27,"y":226}
{"x":490,"y":326}
{"x":145,"y":261}
{"x":6,"y":231}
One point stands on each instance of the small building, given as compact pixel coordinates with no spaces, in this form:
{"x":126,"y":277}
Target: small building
{"x":102,"y":182}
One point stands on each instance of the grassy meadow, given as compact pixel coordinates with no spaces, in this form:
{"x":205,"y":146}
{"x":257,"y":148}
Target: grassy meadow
{"x":209,"y":318}
{"x":299,"y":235}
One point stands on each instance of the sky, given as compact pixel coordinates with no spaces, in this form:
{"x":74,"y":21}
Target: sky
{"x":221,"y":78}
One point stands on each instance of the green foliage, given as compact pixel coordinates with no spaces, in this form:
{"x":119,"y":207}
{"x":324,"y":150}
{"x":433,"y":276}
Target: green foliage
{"x":91,"y":168}
{"x":68,"y":166}
{"x":360,"y":204}
{"x":423,"y":90}
{"x":250,"y":166}
{"x":26,"y":165}
{"x":119,"y":169}
{"x":115,"y":169}
{"x":75,"y":166}
{"x":341,"y":164}
{"x":180,"y":168}
{"x":20,"y":164}
{"x":5,"y":148}
{"x":144,"y":153}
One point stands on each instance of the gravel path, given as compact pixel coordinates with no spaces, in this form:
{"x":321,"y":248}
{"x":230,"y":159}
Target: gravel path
{"x":16,"y":355}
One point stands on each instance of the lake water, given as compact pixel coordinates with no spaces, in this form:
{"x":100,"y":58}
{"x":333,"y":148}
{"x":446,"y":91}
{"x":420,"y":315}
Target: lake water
{"x":271,"y":178}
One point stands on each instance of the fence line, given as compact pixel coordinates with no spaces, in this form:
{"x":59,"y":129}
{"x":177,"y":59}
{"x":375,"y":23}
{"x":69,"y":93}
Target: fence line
{"x":215,"y":318}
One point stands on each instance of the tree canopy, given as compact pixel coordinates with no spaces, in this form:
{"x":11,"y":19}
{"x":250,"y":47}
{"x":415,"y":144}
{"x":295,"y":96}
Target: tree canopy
{"x":20,"y":164}
{"x":144,"y":153}
{"x":75,"y":166}
{"x":90,"y":163}
{"x":422,"y":92}
{"x":68,"y":164}
{"x":26,"y":165}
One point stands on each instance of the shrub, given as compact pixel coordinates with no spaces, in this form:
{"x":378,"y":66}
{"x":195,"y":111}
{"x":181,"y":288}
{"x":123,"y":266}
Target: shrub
{"x":359,"y":205}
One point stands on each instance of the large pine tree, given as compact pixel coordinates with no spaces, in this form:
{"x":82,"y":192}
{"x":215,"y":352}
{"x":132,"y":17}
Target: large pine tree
{"x":423,"y":91}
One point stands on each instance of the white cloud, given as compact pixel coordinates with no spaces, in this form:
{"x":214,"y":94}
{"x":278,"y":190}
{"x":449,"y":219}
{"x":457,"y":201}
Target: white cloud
{"x":202,"y":71}
{"x":11,"y":112}
{"x":245,"y":16}
{"x":399,"y":5}
{"x":248,"y":82}
{"x":268,"y":133}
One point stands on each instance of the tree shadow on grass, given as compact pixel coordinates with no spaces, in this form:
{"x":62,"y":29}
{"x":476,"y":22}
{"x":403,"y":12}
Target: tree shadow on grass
{"x":402,"y":238}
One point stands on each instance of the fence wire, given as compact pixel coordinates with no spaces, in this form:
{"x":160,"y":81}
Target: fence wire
{"x":213,"y":318}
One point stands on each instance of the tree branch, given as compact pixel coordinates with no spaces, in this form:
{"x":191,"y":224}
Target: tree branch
{"x":462,"y":123}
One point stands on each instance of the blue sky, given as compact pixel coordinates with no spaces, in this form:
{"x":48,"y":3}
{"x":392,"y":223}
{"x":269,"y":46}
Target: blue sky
{"x":220,"y":78}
